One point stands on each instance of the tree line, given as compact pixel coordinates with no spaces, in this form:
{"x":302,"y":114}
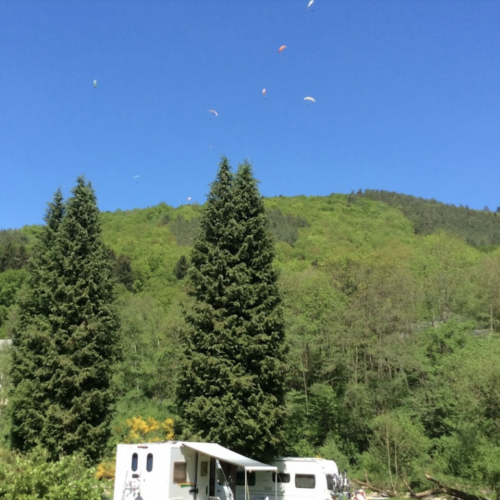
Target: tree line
{"x":480,"y":228}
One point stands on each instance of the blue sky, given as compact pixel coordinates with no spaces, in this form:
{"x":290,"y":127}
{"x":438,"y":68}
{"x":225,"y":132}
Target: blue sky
{"x":407,"y":99}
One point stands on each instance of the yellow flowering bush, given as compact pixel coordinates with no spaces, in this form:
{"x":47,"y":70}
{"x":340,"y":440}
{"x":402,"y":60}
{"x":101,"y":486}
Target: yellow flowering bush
{"x":138,"y":430}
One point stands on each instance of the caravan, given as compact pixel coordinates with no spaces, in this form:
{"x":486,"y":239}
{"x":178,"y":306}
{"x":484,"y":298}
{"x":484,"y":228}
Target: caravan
{"x":177,"y":470}
{"x":296,"y":479}
{"x":180,"y":470}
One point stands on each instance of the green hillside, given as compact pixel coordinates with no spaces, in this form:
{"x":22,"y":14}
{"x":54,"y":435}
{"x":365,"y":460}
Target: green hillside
{"x":479,"y":228}
{"x":392,"y":326}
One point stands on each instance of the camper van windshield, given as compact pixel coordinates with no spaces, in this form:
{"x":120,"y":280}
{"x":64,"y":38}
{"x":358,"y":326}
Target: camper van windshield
{"x":329,"y":482}
{"x":221,"y":478}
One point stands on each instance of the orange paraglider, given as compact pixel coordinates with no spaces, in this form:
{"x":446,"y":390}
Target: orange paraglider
{"x":282,"y":48}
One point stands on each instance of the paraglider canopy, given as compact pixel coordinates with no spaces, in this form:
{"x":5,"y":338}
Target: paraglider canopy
{"x":310,"y":3}
{"x":213,"y":111}
{"x":95,"y":83}
{"x":264,"y":91}
{"x":309,"y":99}
{"x":282,"y":48}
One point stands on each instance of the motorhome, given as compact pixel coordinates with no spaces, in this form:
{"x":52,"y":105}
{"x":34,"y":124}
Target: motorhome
{"x":296,"y":479}
{"x":178,"y":470}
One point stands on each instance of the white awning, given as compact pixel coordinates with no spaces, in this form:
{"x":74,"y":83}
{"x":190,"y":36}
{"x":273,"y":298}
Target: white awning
{"x":217,"y":451}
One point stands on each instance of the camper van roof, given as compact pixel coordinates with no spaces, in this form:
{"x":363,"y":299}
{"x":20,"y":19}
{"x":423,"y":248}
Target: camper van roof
{"x":217,"y":451}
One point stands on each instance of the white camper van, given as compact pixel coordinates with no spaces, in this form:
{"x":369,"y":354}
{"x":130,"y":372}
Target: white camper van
{"x":296,"y":479}
{"x":177,"y":470}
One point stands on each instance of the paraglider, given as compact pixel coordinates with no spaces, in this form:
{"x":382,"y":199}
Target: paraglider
{"x":282,"y":48}
{"x":95,"y":84}
{"x":189,"y":198}
{"x":264,"y":92}
{"x":310,"y":3}
{"x":136,"y":176}
{"x":213,"y":111}
{"x":309,"y":99}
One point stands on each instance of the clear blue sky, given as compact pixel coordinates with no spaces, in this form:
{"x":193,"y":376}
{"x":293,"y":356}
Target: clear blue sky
{"x":407,"y":99}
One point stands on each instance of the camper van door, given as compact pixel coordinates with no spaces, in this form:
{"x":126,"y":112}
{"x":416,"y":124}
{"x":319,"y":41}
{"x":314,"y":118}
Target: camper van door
{"x":222,"y":486}
{"x":212,"y":482}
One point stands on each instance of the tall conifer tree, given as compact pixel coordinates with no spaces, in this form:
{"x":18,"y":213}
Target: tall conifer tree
{"x":231,"y":386}
{"x":33,"y":345}
{"x":80,"y":327}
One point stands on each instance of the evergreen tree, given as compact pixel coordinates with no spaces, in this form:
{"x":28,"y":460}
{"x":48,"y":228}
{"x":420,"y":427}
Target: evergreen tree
{"x":181,"y":267}
{"x":33,"y":345}
{"x":122,"y":271}
{"x":69,"y":306}
{"x":231,"y":384}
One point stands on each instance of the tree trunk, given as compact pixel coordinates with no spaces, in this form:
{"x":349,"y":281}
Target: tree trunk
{"x":453,"y":492}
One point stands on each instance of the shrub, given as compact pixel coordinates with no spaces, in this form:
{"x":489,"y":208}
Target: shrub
{"x":33,"y":477}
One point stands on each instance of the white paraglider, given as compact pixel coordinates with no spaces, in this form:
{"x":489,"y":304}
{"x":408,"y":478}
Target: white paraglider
{"x":189,"y":198}
{"x":95,"y":84}
{"x":310,"y":3}
{"x":309,"y":99}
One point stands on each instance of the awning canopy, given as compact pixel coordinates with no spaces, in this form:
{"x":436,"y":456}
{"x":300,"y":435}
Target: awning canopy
{"x":217,"y":451}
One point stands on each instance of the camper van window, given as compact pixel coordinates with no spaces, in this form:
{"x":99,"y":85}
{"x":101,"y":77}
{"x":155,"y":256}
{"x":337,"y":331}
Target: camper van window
{"x":204,"y":469}
{"x":282,"y":477}
{"x":240,"y":478}
{"x":180,"y":472}
{"x":149,"y":462}
{"x":305,"y":481}
{"x":134,"y":462}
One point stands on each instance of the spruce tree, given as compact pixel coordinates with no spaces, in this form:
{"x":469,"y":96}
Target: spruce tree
{"x":33,"y":345}
{"x":78,"y":321}
{"x":231,"y":384}
{"x":181,"y":267}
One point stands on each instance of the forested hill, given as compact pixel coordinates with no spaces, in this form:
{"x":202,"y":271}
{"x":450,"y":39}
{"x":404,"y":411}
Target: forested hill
{"x":392,"y":331}
{"x":479,"y":228}
{"x":147,"y":244}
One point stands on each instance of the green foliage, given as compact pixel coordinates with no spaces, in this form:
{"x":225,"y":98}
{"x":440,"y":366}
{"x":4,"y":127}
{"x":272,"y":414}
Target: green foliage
{"x":285,"y":227}
{"x":150,"y":344}
{"x":11,"y":282}
{"x":231,"y":385}
{"x":65,"y":344}
{"x":33,"y":477}
{"x":184,"y":230}
{"x":13,"y":249}
{"x":5,"y":360}
{"x":398,"y":450}
{"x":311,"y":418}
